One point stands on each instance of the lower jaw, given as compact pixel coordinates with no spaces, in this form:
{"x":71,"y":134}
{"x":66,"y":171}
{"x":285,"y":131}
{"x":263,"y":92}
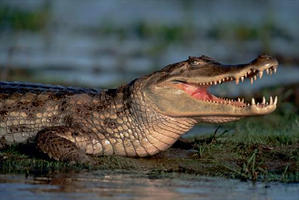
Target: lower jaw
{"x":217,"y":119}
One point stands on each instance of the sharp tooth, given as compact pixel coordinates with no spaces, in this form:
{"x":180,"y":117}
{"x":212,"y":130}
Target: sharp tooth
{"x":237,"y":80}
{"x":252,"y":101}
{"x":254,"y":77}
{"x":275,"y":69}
{"x":242,"y":78}
{"x":270,"y":71}
{"x":215,"y":82}
{"x":271,"y":100}
{"x":239,"y":99}
{"x":211,"y":83}
{"x":275,"y":100}
{"x":264,"y":100}
{"x":219,"y":81}
{"x":246,"y":75}
{"x":251,"y":80}
{"x":267,"y":70}
{"x":261,"y":74}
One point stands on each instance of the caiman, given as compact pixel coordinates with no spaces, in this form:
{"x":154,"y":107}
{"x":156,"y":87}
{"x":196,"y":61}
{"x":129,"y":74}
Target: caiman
{"x":139,"y":119}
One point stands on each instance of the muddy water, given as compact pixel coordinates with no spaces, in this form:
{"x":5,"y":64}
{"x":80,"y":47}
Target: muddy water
{"x":125,"y":185}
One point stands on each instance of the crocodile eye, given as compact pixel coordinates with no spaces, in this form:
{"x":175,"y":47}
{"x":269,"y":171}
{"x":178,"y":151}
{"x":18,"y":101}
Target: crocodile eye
{"x":196,"y":62}
{"x":202,"y":60}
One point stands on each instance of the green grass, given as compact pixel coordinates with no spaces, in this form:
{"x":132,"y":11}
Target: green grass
{"x":259,"y":148}
{"x":281,"y":130}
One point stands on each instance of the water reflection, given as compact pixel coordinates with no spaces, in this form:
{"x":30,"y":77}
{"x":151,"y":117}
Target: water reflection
{"x":113,"y":186}
{"x":124,"y":185}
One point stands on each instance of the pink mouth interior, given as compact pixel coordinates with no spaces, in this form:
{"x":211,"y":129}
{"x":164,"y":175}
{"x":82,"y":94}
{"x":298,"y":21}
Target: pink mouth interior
{"x":201,"y":93}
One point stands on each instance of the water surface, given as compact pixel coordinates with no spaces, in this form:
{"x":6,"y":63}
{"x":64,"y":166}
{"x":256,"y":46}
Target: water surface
{"x":129,"y":185}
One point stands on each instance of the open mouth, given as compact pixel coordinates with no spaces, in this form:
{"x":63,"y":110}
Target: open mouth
{"x":200,"y":91}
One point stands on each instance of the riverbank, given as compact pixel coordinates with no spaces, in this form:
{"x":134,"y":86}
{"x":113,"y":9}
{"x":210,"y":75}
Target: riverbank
{"x":256,"y":150}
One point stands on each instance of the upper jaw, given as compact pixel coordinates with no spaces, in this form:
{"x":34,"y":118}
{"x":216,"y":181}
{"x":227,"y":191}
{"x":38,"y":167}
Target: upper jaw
{"x":220,"y":73}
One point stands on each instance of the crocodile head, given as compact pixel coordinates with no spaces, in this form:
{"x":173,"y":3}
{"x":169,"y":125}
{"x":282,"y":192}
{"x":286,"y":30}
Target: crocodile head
{"x":182,"y":89}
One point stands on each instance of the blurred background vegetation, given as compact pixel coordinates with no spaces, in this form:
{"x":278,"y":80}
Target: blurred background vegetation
{"x":106,"y":43}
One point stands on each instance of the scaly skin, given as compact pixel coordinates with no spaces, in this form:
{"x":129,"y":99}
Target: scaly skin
{"x":140,"y":119}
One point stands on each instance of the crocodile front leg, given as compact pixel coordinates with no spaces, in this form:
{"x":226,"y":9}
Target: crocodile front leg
{"x":52,"y":142}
